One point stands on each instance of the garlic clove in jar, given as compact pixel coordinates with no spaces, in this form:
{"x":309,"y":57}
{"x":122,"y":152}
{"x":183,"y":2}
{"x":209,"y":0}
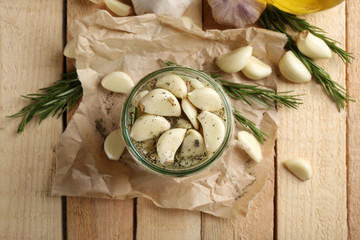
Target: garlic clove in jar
{"x":312,"y":46}
{"x":182,"y":123}
{"x":138,"y":97}
{"x":119,"y":8}
{"x":165,"y":7}
{"x":119,"y":82}
{"x":256,"y":69}
{"x":250,"y":145}
{"x":175,"y":84}
{"x":148,"y":126}
{"x":214,"y":130}
{"x":168,"y":144}
{"x":69,"y":50}
{"x":235,"y":60}
{"x":193,"y":144}
{"x":114,"y":145}
{"x":293,"y":69}
{"x":193,"y":82}
{"x":190,"y":111}
{"x":237,"y":13}
{"x":205,"y":99}
{"x":160,"y":102}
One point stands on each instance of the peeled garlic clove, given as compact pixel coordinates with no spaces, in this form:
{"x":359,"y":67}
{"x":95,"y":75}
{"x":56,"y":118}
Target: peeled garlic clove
{"x":205,"y":99}
{"x":164,"y":7}
{"x":183,"y":123}
{"x":139,"y":96}
{"x":69,"y":50}
{"x":293,"y":69}
{"x":214,"y":130}
{"x":193,"y":144}
{"x":194,"y":83}
{"x":312,"y":46}
{"x":119,"y":8}
{"x":160,"y":102}
{"x":168,"y":144}
{"x":236,"y":13}
{"x":256,"y":69}
{"x":235,"y":60}
{"x":250,"y":145}
{"x":148,"y":127}
{"x":114,"y":145}
{"x":117,"y":82}
{"x":190,"y":111}
{"x":299,"y":167}
{"x":173,"y":83}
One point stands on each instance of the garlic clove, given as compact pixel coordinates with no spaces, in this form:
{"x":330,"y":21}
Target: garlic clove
{"x":119,"y":82}
{"x":69,"y":50}
{"x":256,"y":69}
{"x":250,"y":145}
{"x":168,"y":144}
{"x":182,"y":123}
{"x":193,"y":144}
{"x":213,"y":130}
{"x":293,"y":69}
{"x":237,"y":13}
{"x":299,"y":167}
{"x":138,"y":97}
{"x":190,"y":111}
{"x":160,"y":102}
{"x":165,"y":7}
{"x":312,"y":46}
{"x":235,"y":60}
{"x":148,"y":126}
{"x":114,"y":145}
{"x":119,"y":8}
{"x":175,"y":84}
{"x":205,"y":99}
{"x":194,"y":83}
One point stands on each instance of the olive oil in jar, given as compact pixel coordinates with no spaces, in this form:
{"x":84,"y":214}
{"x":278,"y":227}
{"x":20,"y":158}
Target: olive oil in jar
{"x":304,"y":6}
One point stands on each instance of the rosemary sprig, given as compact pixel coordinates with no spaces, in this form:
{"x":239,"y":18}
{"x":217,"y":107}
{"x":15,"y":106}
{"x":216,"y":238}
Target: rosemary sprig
{"x":250,"y":126}
{"x":276,"y":20}
{"x":54,"y":101}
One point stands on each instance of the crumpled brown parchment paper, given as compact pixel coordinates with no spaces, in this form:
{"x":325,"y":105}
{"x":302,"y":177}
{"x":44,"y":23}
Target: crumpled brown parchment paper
{"x":136,"y":45}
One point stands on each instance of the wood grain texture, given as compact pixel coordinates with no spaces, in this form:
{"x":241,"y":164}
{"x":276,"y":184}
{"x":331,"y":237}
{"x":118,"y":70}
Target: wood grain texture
{"x":30,"y":58}
{"x":95,"y":218}
{"x":156,"y":223}
{"x":353,"y":136}
{"x":315,"y":209}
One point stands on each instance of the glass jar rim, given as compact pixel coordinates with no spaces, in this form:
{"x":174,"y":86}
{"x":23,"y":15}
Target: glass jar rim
{"x":124,"y":123}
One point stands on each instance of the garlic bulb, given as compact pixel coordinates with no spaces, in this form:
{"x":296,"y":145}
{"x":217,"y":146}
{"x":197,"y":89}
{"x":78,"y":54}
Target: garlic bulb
{"x":236,"y":13}
{"x":173,"y":8}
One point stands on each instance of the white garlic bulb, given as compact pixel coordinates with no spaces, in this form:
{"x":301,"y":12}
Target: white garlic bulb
{"x":173,"y":8}
{"x":237,"y":13}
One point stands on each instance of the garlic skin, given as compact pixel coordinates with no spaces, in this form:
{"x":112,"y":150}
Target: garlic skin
{"x":299,"y":167}
{"x":235,"y":60}
{"x":237,"y":13}
{"x":293,"y":69}
{"x":188,"y":22}
{"x":168,"y":143}
{"x":119,"y":8}
{"x":173,"y":8}
{"x":69,"y":50}
{"x":312,"y":46}
{"x":256,"y":69}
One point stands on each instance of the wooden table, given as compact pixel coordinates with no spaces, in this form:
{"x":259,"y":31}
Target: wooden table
{"x":32,"y":36}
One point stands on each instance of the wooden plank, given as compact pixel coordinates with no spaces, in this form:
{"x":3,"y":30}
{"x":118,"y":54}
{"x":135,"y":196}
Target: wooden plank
{"x":259,"y":222}
{"x":353,"y":137}
{"x":95,"y":218}
{"x":315,"y":209}
{"x":156,"y":223}
{"x":30,"y":58}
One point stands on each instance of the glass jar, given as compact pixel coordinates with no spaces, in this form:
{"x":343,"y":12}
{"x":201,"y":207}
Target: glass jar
{"x":127,"y":119}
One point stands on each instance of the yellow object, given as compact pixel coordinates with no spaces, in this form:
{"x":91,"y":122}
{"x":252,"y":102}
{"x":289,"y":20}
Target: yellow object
{"x":304,"y":6}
